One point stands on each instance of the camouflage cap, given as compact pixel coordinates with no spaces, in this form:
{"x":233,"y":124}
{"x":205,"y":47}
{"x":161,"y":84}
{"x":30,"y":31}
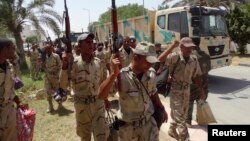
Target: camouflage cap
{"x":187,"y":42}
{"x":85,"y":36}
{"x":148,"y":50}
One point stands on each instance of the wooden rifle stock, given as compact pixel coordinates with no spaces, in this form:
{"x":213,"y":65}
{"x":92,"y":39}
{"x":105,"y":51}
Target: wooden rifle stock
{"x":115,"y":49}
{"x":67,"y":28}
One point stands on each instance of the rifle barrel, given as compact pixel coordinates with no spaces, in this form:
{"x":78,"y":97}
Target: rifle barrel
{"x":67,"y":28}
{"x":115,"y":27}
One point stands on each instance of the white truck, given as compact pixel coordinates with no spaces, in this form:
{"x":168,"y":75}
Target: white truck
{"x":205,"y":25}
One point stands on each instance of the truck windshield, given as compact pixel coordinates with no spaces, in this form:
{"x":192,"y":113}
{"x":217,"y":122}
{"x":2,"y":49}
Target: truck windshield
{"x":213,"y":25}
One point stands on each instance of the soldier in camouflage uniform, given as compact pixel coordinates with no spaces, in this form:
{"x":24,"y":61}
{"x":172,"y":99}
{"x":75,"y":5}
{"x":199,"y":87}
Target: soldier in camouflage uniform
{"x":85,"y":78}
{"x":52,"y":70}
{"x":8,"y":130}
{"x":126,"y":52}
{"x":187,"y":70}
{"x":35,"y":59}
{"x":205,"y":64}
{"x":99,"y":53}
{"x":137,"y":87}
{"x":107,"y":52}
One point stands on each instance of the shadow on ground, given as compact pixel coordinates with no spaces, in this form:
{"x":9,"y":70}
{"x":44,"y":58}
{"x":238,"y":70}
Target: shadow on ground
{"x":62,"y":111}
{"x":225,"y":85}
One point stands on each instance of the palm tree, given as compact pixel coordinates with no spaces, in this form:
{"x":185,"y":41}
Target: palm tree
{"x":14,"y":15}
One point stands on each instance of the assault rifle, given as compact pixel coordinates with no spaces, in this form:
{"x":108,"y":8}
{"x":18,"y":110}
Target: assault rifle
{"x":115,"y":47}
{"x":67,"y":28}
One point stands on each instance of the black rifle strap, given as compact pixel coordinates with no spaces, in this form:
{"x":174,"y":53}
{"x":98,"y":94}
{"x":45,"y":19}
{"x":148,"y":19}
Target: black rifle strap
{"x":175,"y":66}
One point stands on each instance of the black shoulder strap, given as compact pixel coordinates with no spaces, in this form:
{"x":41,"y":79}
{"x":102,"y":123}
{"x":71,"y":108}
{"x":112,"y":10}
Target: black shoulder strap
{"x":175,"y":66}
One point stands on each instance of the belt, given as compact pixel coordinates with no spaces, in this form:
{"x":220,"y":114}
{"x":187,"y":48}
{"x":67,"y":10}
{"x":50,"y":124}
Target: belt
{"x":87,"y":100}
{"x":181,"y":87}
{"x":139,"y":123}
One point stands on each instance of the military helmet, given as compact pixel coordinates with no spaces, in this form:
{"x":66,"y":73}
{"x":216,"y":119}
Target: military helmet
{"x":60,"y":95}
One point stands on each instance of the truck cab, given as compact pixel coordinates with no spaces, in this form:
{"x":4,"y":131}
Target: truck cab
{"x":205,"y":25}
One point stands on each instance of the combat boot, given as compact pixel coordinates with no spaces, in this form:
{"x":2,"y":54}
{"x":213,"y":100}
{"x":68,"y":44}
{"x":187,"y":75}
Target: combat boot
{"x":50,"y":108}
{"x":172,"y":133}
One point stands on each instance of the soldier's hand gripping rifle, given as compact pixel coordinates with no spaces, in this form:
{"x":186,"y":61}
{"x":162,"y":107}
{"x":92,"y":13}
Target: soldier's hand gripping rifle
{"x":115,"y":47}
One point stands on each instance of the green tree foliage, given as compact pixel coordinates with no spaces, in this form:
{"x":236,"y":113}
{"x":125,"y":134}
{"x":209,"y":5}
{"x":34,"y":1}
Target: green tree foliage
{"x":238,"y":22}
{"x":3,"y":31}
{"x":14,"y":14}
{"x":163,"y":6}
{"x":91,"y":27}
{"x":123,"y":12}
{"x":32,"y":39}
{"x":228,"y":4}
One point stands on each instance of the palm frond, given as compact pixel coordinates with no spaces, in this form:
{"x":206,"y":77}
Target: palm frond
{"x":181,"y":3}
{"x":40,"y":4}
{"x":51,"y":23}
{"x":52,"y":13}
{"x":35,"y":22}
{"x":165,"y":2}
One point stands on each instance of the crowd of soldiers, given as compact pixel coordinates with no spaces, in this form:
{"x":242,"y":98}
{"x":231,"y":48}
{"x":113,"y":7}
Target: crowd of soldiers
{"x":92,"y":73}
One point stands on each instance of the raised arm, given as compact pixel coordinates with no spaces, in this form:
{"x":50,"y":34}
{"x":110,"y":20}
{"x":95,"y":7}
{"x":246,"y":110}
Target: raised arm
{"x":164,"y":55}
{"x":108,"y":83}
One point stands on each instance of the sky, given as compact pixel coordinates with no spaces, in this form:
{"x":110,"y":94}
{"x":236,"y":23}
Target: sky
{"x":81,"y":10}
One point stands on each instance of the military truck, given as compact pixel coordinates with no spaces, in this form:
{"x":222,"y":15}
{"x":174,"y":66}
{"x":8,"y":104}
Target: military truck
{"x":205,"y":25}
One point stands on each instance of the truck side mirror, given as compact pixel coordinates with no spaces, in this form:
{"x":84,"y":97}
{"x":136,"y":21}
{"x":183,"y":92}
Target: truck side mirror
{"x":195,"y":21}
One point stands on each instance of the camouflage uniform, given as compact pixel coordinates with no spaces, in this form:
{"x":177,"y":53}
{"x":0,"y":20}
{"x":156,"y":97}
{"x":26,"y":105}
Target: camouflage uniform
{"x":180,"y":91}
{"x":8,"y":130}
{"x":107,"y":54}
{"x":90,"y":112}
{"x":101,"y":56}
{"x":205,"y":64}
{"x":52,"y":70}
{"x":136,"y":107}
{"x":126,"y":58}
{"x":34,"y":64}
{"x":16,"y":67}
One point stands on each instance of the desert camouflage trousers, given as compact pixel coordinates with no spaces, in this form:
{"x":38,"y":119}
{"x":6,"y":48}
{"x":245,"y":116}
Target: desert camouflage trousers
{"x":179,"y":102}
{"x":148,"y":132}
{"x":8,"y":131}
{"x":34,"y":70}
{"x":51,"y":84}
{"x":91,"y":118}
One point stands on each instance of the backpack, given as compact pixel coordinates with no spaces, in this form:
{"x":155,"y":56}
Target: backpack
{"x":163,"y":87}
{"x":161,"y":81}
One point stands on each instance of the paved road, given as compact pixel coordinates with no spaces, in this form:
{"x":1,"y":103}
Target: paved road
{"x":229,"y":99}
{"x":229,"y":95}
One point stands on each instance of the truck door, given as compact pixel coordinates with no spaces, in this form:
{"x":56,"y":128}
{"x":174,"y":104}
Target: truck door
{"x":171,"y":26}
{"x":178,"y":24}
